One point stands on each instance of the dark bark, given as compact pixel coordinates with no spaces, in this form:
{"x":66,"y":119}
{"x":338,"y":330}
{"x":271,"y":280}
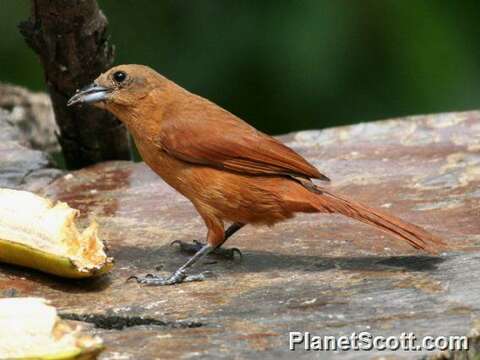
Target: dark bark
{"x":71,"y":41}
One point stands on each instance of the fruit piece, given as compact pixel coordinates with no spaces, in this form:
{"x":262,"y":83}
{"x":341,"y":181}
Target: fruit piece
{"x":36,"y":233}
{"x":31,"y":329}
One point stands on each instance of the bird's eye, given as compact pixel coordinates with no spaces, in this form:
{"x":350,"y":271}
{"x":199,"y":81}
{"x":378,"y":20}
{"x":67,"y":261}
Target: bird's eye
{"x":119,"y":76}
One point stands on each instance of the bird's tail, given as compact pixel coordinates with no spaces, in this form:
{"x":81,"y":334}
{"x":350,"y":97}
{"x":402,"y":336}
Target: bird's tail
{"x":325,"y":201}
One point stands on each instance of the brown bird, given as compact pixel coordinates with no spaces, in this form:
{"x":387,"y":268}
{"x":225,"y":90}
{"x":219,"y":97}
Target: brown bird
{"x":230,"y":171}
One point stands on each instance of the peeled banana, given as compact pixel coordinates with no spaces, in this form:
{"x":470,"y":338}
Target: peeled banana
{"x":31,"y":329}
{"x":42,"y":235}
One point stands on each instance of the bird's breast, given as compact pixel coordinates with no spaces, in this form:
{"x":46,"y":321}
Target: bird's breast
{"x":171,"y":170}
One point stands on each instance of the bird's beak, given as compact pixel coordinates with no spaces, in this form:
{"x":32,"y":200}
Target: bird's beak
{"x":90,"y":94}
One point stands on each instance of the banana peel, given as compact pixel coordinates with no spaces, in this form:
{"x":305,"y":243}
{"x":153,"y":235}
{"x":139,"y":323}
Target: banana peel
{"x":30,"y":329}
{"x":42,"y":235}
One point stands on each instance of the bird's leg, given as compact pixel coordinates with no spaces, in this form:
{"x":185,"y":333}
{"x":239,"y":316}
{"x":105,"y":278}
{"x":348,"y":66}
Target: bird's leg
{"x":215,"y":237}
{"x":195,"y":246}
{"x":180,"y":275}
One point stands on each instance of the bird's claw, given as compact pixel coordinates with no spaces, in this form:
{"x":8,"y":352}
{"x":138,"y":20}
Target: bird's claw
{"x":196,"y":246}
{"x":199,"y":277}
{"x":232,"y":252}
{"x":176,"y":278}
{"x":187,"y":247}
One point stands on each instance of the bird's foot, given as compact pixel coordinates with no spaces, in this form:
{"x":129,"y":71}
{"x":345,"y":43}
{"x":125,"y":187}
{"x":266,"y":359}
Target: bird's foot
{"x":177,"y":277}
{"x":195,"y":246}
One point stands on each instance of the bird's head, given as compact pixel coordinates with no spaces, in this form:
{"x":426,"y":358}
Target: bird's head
{"x":121,"y":87}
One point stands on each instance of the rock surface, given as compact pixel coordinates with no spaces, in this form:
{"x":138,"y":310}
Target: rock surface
{"x":323,"y":274}
{"x":32,"y":114}
{"x":25,"y":116}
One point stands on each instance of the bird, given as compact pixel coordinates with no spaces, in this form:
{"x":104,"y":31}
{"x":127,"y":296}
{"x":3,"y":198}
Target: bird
{"x":230,"y":171}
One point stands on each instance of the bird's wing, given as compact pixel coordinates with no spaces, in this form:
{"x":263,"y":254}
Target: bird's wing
{"x":219,"y":139}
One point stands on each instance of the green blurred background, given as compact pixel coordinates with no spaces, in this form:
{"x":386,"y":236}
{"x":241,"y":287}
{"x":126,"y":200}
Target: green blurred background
{"x":290,"y":65}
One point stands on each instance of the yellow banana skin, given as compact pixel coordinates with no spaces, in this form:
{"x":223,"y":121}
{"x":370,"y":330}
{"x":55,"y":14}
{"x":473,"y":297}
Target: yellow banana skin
{"x":40,"y":234}
{"x":74,"y":354}
{"x":30,"y":328}
{"x":26,"y":256}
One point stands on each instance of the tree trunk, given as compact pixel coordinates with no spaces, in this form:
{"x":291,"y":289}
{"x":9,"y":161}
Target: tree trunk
{"x":71,"y":41}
